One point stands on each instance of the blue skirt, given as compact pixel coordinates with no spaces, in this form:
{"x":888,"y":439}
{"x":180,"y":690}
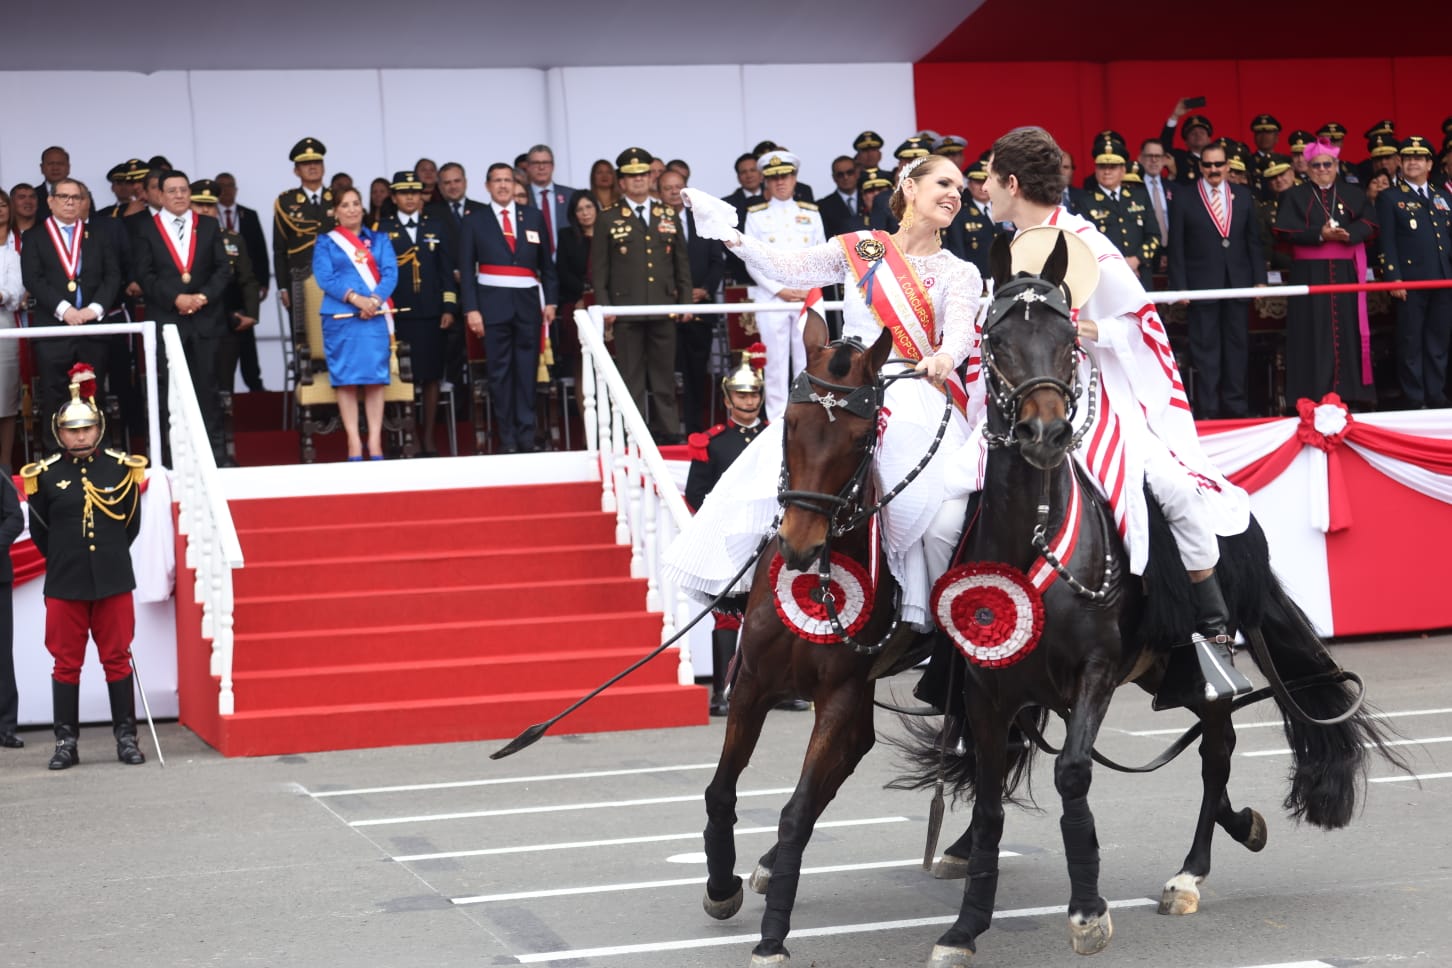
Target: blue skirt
{"x":356,"y":351}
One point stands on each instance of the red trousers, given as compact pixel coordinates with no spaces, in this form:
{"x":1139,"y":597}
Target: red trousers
{"x":68,"y":624}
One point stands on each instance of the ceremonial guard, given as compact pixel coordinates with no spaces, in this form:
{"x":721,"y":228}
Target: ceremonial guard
{"x":782,"y":223}
{"x":711,"y":453}
{"x":426,"y":297}
{"x":970,"y":235}
{"x":85,"y":510}
{"x":300,"y":215}
{"x":1121,"y":212}
{"x":1414,"y":215}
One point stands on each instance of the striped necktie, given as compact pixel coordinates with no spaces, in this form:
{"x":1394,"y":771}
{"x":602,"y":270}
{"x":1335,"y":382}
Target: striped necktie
{"x":1217,"y":207}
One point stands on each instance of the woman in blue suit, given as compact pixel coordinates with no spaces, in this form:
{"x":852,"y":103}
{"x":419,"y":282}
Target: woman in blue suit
{"x":356,"y":269}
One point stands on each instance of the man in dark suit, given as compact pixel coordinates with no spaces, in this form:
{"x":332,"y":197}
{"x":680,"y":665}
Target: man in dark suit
{"x":454,"y":203}
{"x":552,"y":199}
{"x":55,"y":164}
{"x":1214,"y":244}
{"x":637,"y":259}
{"x":426,"y":294}
{"x":839,"y":208}
{"x":73,"y":276}
{"x":693,"y":339}
{"x":244,"y":221}
{"x":1416,"y":242}
{"x":240,"y":300}
{"x":184,"y":271}
{"x":508,"y":291}
{"x":747,"y":193}
{"x":1160,"y":189}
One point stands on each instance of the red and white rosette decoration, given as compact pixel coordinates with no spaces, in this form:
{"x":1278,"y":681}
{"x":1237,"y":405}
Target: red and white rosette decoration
{"x":990,"y":611}
{"x":794,"y":594}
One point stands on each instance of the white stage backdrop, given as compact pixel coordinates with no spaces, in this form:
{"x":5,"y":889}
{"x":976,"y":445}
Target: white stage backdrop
{"x":376,"y":122}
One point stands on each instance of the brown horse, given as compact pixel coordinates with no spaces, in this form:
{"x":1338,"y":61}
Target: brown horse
{"x":829,"y":438}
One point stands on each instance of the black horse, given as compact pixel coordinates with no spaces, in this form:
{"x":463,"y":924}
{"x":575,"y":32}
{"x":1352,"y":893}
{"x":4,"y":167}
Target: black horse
{"x":828,"y":499}
{"x":1101,"y":629}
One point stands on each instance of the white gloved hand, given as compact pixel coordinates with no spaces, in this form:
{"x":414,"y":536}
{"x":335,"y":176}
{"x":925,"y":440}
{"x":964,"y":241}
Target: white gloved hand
{"x":715,"y":219}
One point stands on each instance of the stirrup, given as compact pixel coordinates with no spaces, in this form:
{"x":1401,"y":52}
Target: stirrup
{"x":1222,"y":679}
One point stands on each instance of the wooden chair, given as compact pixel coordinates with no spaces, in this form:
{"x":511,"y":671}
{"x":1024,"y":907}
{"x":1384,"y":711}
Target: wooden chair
{"x":317,"y":402}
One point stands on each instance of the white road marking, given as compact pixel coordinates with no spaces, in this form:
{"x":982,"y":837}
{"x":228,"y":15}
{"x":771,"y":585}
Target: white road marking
{"x":542,"y":778}
{"x":557,"y":808}
{"x":1410,"y":779}
{"x":625,"y":841}
{"x":694,"y":857}
{"x":544,"y":957}
{"x":1403,"y":714}
{"x":1296,"y":964}
{"x":1367,"y":746}
{"x":683,"y":881}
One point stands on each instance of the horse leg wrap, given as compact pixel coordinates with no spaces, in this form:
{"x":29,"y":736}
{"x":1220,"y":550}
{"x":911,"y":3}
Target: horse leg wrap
{"x":720,"y":859}
{"x":1081,"y":849}
{"x":781,"y":893}
{"x":977,"y":911}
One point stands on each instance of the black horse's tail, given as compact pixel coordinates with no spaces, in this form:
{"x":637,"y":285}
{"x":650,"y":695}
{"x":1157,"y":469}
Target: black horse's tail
{"x":1329,"y":763}
{"x":922,"y":752}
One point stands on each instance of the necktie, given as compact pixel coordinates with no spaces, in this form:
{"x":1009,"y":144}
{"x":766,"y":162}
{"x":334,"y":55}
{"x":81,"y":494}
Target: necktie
{"x":1217,"y":207}
{"x":640,"y":212}
{"x":315,"y":198}
{"x":409,"y":226}
{"x":1157,"y":199}
{"x":458,"y":210}
{"x":547,"y":210}
{"x":180,"y":224}
{"x":508,"y":227}
{"x":1114,"y":195}
{"x":231,"y":227}
{"x":685,"y":233}
{"x":988,"y":211}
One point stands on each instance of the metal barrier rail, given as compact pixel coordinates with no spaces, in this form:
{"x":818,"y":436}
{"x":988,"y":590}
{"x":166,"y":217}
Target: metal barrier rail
{"x":1261,"y":292}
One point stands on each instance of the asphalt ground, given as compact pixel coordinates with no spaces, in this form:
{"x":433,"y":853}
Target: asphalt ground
{"x":586,"y":850}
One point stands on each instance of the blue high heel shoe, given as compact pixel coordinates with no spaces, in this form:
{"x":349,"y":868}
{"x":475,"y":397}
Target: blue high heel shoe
{"x":352,"y":459}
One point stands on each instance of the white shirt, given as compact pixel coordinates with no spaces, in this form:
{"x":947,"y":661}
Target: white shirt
{"x":180,"y":237}
{"x":851,"y":199}
{"x":410,"y":229}
{"x":513,"y":216}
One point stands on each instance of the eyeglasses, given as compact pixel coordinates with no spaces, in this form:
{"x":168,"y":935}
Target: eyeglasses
{"x":1323,"y":164}
{"x":849,"y":173}
{"x":1212,"y":164}
{"x":63,"y":197}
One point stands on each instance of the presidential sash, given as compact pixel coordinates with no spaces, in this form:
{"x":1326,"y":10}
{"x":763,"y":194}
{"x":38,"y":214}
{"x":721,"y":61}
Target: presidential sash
{"x":367,"y":267}
{"x":899,"y":301}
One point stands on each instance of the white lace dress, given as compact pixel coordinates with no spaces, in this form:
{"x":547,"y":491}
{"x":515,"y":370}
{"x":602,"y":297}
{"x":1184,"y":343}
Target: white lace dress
{"x":743,"y":504}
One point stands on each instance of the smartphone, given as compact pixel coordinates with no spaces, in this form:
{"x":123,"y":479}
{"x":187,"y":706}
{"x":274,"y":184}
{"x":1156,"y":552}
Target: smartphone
{"x":1195,"y":102}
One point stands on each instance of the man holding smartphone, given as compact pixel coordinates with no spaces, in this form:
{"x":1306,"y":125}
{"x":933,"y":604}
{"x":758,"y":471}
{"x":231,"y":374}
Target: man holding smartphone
{"x":1197,"y":132}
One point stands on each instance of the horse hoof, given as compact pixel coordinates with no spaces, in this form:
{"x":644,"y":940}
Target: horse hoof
{"x":760,"y":879}
{"x":950,"y":868}
{"x":1181,"y":895}
{"x":776,"y":958}
{"x":946,"y":957}
{"x":1089,"y":936}
{"x":1255,"y":840}
{"x":721,"y":910}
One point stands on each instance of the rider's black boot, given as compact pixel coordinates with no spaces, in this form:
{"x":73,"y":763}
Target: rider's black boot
{"x":723,"y":647}
{"x":1203,"y":669}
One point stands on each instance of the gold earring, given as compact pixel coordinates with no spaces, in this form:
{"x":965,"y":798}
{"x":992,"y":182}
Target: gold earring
{"x":907,"y":217}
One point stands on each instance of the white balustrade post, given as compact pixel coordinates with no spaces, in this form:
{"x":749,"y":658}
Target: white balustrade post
{"x":649,"y":503}
{"x":223,"y":642}
{"x":617,"y":470}
{"x":635,"y":498}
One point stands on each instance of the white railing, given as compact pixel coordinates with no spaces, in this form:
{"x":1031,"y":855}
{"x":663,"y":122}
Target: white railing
{"x":635,"y":483}
{"x":213,"y":549}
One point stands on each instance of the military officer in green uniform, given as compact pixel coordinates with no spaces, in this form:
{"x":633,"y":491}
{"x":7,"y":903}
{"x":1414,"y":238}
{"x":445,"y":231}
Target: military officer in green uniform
{"x":300,"y":215}
{"x":639,"y":257}
{"x":240,"y":302}
{"x":85,"y":510}
{"x":1122,"y":212}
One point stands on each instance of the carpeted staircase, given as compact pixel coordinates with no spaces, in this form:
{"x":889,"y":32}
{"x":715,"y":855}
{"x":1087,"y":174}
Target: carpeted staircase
{"x":431,"y":616}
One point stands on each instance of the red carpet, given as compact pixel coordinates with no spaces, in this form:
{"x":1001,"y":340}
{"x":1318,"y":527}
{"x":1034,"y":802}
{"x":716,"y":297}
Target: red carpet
{"x":387,"y":619}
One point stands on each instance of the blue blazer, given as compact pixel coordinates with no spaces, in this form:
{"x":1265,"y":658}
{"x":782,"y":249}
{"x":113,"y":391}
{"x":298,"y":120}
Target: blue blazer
{"x":336,"y":274}
{"x":481,"y":241}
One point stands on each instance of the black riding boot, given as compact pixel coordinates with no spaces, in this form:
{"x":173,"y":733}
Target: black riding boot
{"x":65,"y":699}
{"x":123,"y":721}
{"x":723,"y":647}
{"x":1203,"y":669}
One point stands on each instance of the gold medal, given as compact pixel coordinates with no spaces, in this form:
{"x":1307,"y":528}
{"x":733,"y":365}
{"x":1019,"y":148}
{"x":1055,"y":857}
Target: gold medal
{"x":871,"y":250}
{"x":71,"y":286}
{"x":186,"y":278}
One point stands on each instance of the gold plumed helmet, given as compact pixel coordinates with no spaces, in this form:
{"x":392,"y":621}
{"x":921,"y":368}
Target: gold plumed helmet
{"x":80,"y":410}
{"x":746,"y":378}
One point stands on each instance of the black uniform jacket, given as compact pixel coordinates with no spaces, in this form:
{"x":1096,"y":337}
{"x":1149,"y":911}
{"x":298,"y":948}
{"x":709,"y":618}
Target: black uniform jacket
{"x":87,"y":557}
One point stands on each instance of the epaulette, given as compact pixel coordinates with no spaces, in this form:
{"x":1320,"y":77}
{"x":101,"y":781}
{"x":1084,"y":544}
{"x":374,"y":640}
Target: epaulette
{"x":759,"y":207}
{"x":30,"y":473}
{"x":697,"y":445}
{"x":809,"y":206}
{"x":134,"y":462}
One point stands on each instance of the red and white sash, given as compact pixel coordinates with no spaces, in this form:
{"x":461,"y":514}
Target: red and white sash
{"x":892,"y":290}
{"x":363,"y":261}
{"x":70,"y":259}
{"x":185,"y":268}
{"x":1222,"y":225}
{"x":509,"y":277}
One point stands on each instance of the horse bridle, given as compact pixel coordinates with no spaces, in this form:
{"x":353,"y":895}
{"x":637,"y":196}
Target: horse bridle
{"x":1006,"y":397}
{"x":865,"y":402}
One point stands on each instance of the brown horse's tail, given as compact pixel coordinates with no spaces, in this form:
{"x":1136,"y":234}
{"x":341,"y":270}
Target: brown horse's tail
{"x":925,"y":760}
